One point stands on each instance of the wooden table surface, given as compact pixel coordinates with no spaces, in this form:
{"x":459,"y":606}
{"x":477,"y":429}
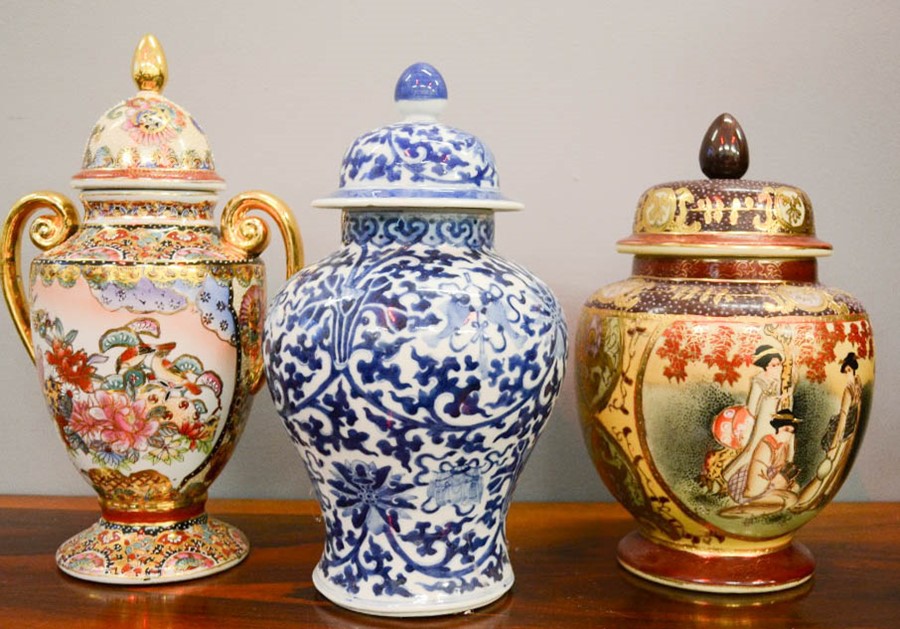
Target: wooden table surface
{"x":563,"y":555}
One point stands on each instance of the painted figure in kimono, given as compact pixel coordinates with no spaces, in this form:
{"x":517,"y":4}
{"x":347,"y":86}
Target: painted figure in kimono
{"x":769,"y":392}
{"x":838,"y":437}
{"x":768,"y":483}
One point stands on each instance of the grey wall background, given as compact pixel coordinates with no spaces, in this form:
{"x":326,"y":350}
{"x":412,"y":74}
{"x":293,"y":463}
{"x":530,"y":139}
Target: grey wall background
{"x":585,"y":104}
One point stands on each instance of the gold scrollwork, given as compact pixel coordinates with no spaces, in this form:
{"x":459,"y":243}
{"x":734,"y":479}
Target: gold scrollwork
{"x":623,"y":295}
{"x":250,"y":234}
{"x":150,"y":489}
{"x":788,"y":298}
{"x":46,"y":232}
{"x":704,"y":294}
{"x":621,"y":419}
{"x":665,"y":210}
{"x":99,"y":275}
{"x":605,"y":340}
{"x":715,"y":210}
{"x":785,"y":211}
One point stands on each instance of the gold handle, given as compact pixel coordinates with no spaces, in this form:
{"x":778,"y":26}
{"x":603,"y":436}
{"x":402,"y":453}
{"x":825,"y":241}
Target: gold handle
{"x":250,"y":233}
{"x":46,"y":232}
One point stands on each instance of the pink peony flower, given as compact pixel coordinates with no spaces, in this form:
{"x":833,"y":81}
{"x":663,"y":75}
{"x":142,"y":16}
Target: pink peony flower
{"x":86,"y":420}
{"x":128,"y":428}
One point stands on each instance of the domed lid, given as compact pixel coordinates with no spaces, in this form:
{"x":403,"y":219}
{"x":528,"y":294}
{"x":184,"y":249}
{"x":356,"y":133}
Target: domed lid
{"x":148,"y":141}
{"x":419,"y":162}
{"x":724,"y":215}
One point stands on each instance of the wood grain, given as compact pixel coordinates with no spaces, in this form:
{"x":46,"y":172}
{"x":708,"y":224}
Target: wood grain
{"x":563,"y":555}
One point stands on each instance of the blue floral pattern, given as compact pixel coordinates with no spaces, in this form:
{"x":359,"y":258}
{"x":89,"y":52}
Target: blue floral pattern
{"x":415,"y":368}
{"x":396,"y":159}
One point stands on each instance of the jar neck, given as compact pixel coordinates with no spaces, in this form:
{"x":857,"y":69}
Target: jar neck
{"x":727,"y":269}
{"x":392,"y":228}
{"x":137,"y":207}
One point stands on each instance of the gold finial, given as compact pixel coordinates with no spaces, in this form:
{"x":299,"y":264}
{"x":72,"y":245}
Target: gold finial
{"x":149,"y":67}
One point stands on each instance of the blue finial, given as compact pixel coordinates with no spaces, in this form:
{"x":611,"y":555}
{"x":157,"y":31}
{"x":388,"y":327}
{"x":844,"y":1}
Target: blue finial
{"x":420,"y":81}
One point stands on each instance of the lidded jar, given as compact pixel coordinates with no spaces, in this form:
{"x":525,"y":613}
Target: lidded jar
{"x":414,"y":368}
{"x":145,"y":326}
{"x":723,"y":391}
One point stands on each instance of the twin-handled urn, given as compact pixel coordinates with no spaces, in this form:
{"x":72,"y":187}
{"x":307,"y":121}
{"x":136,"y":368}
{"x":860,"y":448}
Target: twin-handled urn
{"x":723,"y":391}
{"x":414,"y":368}
{"x":144,"y":323}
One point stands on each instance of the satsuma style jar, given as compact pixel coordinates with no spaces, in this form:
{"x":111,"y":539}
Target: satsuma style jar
{"x":723,"y":391}
{"x":414,"y":368}
{"x":145,"y":324}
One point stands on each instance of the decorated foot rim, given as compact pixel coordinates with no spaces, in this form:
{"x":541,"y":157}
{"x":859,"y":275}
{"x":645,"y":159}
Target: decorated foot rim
{"x":435,"y":603}
{"x":414,"y":369}
{"x":723,"y":391}
{"x":736,"y":574}
{"x":120,"y":553}
{"x":145,"y":324}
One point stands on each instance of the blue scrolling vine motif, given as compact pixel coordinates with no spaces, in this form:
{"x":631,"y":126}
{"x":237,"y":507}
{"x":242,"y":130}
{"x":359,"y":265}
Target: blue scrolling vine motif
{"x":412,"y":153}
{"x":415,"y":369}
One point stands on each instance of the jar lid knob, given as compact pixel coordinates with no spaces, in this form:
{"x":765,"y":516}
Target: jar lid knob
{"x":421,"y":93}
{"x":724,"y":153}
{"x":149,"y":68}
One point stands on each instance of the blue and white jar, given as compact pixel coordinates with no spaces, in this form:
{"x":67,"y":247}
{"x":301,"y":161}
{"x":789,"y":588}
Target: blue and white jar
{"x":415,"y":368}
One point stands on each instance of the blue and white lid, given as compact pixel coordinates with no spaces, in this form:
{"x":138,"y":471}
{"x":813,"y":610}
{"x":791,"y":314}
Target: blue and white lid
{"x":419,"y":162}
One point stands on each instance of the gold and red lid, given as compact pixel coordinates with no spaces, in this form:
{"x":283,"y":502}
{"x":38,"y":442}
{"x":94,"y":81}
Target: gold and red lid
{"x":148,"y":141}
{"x":724,"y":215}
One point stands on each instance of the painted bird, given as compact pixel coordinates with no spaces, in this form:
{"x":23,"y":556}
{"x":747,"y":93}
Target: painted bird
{"x":132,"y":356}
{"x":167,"y":372}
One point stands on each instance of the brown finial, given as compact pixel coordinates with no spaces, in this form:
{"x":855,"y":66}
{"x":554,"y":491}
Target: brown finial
{"x":724,"y":153}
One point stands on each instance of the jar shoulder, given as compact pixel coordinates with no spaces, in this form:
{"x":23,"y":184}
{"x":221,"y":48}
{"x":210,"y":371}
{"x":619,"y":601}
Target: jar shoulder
{"x":362,"y":273}
{"x":144,"y":244}
{"x":723,"y":298}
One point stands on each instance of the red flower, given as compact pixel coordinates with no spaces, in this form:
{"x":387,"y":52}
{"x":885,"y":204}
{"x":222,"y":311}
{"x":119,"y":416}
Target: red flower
{"x":72,"y":366}
{"x":193,"y":431}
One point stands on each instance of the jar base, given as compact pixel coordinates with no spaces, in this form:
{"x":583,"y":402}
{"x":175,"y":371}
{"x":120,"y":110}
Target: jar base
{"x":146,"y":554}
{"x":782,"y":569}
{"x":427,"y":604}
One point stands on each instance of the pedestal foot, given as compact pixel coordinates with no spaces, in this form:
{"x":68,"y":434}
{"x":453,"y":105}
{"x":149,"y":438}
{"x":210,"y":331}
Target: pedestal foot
{"x":135,"y":554}
{"x":766,"y":572}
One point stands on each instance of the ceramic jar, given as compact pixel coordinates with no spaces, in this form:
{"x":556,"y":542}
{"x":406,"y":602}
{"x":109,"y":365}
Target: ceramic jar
{"x":145,"y":326}
{"x":414,"y":368}
{"x":723,"y":391}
